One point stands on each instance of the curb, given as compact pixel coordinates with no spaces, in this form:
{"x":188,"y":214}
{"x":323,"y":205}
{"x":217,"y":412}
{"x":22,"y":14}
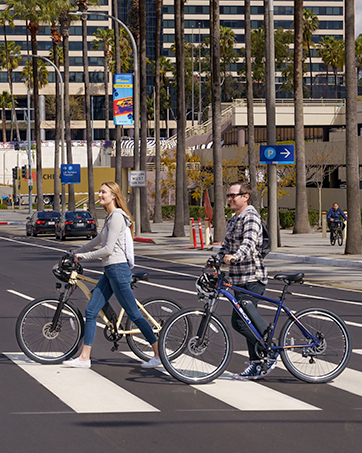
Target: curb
{"x":316,"y":260}
{"x":145,"y":240}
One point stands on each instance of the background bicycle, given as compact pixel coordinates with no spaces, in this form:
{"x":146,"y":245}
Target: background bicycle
{"x":50,"y":330}
{"x":196,"y":345}
{"x":337,"y":232}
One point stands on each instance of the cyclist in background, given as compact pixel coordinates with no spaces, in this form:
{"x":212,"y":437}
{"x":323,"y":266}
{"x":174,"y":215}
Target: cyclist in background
{"x":242,"y":241}
{"x":334,"y":215}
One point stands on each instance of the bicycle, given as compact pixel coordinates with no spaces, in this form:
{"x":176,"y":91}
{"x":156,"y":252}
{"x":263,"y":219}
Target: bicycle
{"x":336,"y":232}
{"x":50,"y":330}
{"x":196,"y":345}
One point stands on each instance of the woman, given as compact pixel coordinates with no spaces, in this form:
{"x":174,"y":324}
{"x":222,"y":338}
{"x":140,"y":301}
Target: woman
{"x":117,"y":274}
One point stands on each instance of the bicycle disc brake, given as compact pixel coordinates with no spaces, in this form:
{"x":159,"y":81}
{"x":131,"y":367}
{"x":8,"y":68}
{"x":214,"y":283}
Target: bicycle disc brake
{"x":195,"y":348}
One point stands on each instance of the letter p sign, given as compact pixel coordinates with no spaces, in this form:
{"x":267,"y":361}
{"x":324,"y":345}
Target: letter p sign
{"x":270,"y":153}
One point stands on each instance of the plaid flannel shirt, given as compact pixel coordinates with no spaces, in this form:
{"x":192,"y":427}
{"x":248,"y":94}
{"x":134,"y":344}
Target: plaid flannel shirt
{"x":243,"y":239}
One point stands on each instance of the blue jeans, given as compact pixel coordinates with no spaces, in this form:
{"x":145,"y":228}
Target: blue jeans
{"x":115,"y":280}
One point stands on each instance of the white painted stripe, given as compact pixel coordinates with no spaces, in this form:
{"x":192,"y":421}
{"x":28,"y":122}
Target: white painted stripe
{"x":16,"y":293}
{"x":246,"y":395}
{"x":349,"y":380}
{"x":83,"y":390}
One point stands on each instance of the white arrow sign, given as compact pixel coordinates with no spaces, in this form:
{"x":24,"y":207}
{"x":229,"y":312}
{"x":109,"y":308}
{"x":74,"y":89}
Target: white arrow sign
{"x":286,"y":152}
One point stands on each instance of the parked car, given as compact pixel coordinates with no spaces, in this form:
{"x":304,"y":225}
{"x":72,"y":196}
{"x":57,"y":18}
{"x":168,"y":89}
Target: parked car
{"x":42,"y":222}
{"x":75,"y":223}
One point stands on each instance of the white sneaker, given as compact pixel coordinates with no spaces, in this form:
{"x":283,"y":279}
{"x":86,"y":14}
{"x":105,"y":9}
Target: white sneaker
{"x":76,"y":363}
{"x":153,"y":363}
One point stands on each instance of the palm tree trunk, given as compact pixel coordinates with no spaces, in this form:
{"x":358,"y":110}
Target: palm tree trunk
{"x":39,"y":171}
{"x":157,"y":216}
{"x":301,"y":205}
{"x":92,"y":206}
{"x":117,"y":130}
{"x":219,"y":212}
{"x":250,"y":110}
{"x":106,"y":96}
{"x":57,"y":132}
{"x":65,"y":20}
{"x":145,"y":223}
{"x":4,"y":126}
{"x":354,"y":233}
{"x":185,"y":190}
{"x":310,"y":72}
{"x":179,"y":227}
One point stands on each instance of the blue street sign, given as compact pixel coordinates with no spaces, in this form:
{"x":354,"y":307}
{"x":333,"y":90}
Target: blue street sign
{"x":70,"y":174}
{"x":278,"y":154}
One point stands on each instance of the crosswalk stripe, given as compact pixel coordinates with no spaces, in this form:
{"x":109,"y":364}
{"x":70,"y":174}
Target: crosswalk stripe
{"x":83,"y":390}
{"x":246,"y":396}
{"x":349,"y":380}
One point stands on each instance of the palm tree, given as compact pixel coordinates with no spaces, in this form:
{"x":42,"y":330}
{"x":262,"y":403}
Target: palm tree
{"x":354,"y":233}
{"x":5,"y":103}
{"x":145,"y":224}
{"x":301,"y":205}
{"x":227,"y":52}
{"x":157,"y":216}
{"x":322,"y":52}
{"x":83,"y":7}
{"x":33,"y":11}
{"x":250,"y":110}
{"x":104,"y":39}
{"x":219,"y":213}
{"x":180,"y":214}
{"x":10,"y":63}
{"x":331,"y":51}
{"x":310,"y":25}
{"x":65,"y":21}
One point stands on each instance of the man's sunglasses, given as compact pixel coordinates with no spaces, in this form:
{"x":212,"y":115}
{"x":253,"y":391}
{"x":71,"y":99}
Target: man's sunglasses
{"x":233,"y":195}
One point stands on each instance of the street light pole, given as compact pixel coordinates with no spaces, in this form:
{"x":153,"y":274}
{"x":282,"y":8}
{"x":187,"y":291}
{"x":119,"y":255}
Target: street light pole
{"x":29,"y":154}
{"x":136,"y":113}
{"x":62,"y":121}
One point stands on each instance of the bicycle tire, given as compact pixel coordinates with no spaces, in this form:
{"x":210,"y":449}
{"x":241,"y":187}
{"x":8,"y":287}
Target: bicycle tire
{"x":161,"y":309}
{"x":333,"y":239}
{"x":340,"y":237}
{"x":38,"y":343}
{"x":316,"y":365}
{"x":195,"y":365}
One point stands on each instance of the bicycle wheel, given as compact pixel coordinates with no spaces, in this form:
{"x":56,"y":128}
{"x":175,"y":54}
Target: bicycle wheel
{"x":38,"y":342}
{"x":196,"y":364}
{"x":340,"y":237}
{"x":161,"y":309}
{"x":320,"y":363}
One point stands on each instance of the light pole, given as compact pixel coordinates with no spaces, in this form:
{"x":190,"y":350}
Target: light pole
{"x":30,"y":183}
{"x":136,"y":109}
{"x":61,"y":120}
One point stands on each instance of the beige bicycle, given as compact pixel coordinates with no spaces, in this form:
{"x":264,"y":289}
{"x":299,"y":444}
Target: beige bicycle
{"x":50,"y":330}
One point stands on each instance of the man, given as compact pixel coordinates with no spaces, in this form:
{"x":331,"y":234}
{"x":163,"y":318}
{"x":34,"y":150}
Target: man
{"x":242,"y":241}
{"x":334,"y":215}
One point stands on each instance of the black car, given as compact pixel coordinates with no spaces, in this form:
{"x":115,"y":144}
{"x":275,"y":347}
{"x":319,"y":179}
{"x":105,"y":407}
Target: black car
{"x":42,"y":222}
{"x":75,"y":223}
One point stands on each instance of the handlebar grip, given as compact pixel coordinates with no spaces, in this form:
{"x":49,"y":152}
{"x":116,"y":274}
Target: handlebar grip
{"x":233,"y":261}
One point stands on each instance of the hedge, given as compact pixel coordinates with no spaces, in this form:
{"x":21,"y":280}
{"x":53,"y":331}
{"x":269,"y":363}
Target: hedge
{"x":286,"y":216}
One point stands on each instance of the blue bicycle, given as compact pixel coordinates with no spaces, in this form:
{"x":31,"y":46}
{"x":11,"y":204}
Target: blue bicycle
{"x":196,"y":345}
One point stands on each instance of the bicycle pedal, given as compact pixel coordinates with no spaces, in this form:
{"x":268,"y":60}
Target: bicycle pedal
{"x":114,"y":348}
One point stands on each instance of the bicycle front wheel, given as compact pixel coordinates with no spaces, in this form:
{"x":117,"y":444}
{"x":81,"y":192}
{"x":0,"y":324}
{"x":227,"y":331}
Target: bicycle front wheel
{"x":43,"y":342}
{"x":321,"y":363}
{"x":340,"y":237}
{"x":161,"y":309}
{"x":195,"y":363}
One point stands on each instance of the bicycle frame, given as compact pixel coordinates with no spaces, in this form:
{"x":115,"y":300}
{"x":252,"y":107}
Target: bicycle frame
{"x":77,"y":280}
{"x":223,"y":288}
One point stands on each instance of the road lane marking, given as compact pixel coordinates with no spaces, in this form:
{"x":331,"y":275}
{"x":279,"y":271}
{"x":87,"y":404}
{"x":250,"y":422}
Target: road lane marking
{"x":83,"y":390}
{"x":245,"y":396}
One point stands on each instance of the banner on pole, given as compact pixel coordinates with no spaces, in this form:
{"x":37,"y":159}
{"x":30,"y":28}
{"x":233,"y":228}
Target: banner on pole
{"x":123,"y":99}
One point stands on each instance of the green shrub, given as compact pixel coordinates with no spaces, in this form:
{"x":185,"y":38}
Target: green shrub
{"x":3,"y":206}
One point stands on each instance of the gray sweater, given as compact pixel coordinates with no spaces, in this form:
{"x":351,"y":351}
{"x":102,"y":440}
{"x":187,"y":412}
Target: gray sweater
{"x":111,"y":238}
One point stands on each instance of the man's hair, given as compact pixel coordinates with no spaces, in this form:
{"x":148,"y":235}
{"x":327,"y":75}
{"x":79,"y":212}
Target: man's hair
{"x":245,"y":187}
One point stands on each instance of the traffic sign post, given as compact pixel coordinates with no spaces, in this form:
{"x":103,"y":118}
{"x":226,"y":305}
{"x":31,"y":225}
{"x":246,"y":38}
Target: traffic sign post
{"x":277,"y":154}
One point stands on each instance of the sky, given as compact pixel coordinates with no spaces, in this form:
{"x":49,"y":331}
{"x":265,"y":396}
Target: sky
{"x":358,"y":17}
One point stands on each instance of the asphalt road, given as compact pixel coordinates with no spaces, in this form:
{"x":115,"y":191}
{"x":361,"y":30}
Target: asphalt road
{"x":119,"y":406}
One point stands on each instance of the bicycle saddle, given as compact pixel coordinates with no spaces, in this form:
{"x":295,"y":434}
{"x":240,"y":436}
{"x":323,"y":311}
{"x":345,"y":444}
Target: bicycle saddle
{"x":290,"y":278}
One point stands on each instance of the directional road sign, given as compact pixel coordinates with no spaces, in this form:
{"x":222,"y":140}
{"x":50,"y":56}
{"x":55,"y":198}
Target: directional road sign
{"x":70,"y":174}
{"x":277,"y":154}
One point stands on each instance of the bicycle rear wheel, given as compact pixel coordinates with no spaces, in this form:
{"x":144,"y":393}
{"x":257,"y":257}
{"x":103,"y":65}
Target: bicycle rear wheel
{"x":39,"y":341}
{"x":316,"y":364}
{"x":195,"y":364}
{"x":161,"y":309}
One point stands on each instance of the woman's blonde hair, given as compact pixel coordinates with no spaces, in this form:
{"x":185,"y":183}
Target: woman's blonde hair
{"x":119,"y":199}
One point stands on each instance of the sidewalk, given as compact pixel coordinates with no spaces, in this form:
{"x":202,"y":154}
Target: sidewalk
{"x":308,"y":253}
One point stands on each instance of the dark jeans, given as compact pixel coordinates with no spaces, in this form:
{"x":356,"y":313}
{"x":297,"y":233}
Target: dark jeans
{"x":238,"y":323}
